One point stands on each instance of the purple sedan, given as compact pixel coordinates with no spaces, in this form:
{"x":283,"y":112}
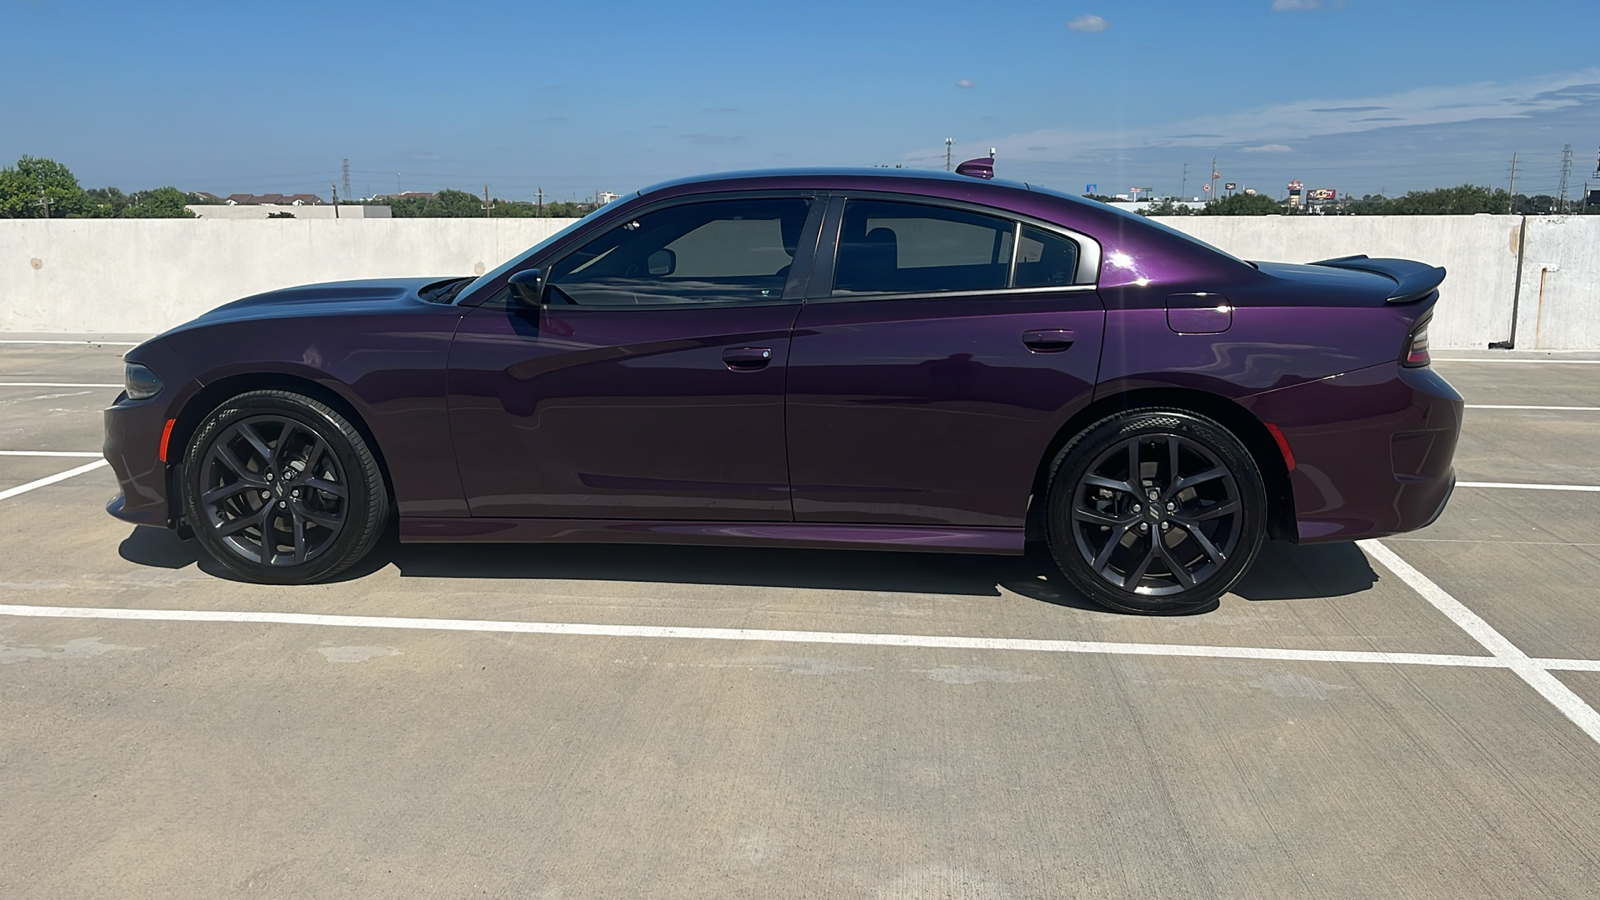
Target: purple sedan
{"x":845,"y":359}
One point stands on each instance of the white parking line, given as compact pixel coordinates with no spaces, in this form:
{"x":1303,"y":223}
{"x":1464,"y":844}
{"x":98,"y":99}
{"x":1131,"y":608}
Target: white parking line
{"x":1525,"y":362}
{"x":1521,"y":486}
{"x":62,"y":476}
{"x":1551,"y":408}
{"x":76,"y":454}
{"x":1535,"y":672}
{"x":79,"y":343}
{"x":948,"y":642}
{"x":56,"y":384}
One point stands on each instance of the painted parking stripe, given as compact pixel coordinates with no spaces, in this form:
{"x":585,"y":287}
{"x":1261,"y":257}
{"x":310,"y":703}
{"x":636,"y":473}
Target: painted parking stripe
{"x":79,"y":343}
{"x":71,"y":454}
{"x":1551,"y":408}
{"x":61,"y":476}
{"x":756,"y":635}
{"x":1523,"y":362}
{"x":1520,"y":486}
{"x":56,"y":384}
{"x":1534,"y":672}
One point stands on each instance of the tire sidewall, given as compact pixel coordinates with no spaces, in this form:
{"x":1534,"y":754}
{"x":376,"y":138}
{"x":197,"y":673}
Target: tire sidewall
{"x":330,"y":427}
{"x":1079,"y":454}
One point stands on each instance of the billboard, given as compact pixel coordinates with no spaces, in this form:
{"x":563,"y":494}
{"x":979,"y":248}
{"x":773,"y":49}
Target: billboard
{"x":1323,"y":194}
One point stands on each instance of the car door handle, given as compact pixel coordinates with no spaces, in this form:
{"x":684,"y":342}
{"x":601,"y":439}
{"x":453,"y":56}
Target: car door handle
{"x":1049,"y":340}
{"x":747,"y":359}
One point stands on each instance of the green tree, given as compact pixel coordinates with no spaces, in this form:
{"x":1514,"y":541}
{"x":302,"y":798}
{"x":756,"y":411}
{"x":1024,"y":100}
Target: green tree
{"x":1243,"y":205}
{"x":160,"y":203}
{"x":35,"y":187}
{"x":106,"y":202}
{"x":1462,"y":200}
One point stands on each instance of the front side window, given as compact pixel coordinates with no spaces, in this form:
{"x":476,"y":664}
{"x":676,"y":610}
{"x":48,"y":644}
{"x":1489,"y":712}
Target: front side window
{"x":715,"y":252}
{"x":892,"y":247}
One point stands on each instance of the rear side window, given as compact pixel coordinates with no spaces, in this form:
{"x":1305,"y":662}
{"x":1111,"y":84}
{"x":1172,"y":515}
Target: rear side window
{"x":1045,"y":259}
{"x":895,"y":248}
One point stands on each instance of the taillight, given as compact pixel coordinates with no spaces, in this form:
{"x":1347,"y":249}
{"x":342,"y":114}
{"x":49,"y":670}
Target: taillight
{"x":1417,"y":347}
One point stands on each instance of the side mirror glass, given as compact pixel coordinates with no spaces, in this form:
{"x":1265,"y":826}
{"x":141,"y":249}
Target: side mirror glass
{"x":527,"y":287}
{"x":662,"y":262}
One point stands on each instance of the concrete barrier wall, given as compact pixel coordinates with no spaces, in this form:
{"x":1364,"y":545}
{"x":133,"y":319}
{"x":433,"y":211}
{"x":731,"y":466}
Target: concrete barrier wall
{"x":1558,"y":305}
{"x":1478,"y":252}
{"x":144,"y":276}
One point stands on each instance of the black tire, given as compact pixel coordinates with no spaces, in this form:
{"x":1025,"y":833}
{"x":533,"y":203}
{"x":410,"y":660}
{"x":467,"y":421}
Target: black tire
{"x":1168,"y":539}
{"x":281,"y":489}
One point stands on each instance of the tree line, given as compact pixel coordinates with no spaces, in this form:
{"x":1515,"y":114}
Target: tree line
{"x":38,"y":188}
{"x":452,"y":204}
{"x":1462,"y":200}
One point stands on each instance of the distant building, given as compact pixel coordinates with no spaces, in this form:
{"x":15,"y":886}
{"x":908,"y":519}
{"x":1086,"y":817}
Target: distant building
{"x":287,"y":211}
{"x":272,"y":200}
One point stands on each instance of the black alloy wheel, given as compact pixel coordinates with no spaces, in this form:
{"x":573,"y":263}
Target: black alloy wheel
{"x":281,"y":489}
{"x":1155,"y":511}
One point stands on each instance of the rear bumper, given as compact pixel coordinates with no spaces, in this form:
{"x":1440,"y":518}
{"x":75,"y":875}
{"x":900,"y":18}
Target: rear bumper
{"x":133,"y":448}
{"x":1373,"y":450}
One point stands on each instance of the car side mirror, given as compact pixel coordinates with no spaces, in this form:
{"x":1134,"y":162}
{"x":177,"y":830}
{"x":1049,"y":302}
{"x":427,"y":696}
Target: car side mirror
{"x":662,"y":262}
{"x":527,"y":287}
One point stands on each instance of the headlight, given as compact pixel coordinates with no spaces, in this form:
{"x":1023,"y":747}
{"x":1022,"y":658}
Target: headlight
{"x":142,"y":383}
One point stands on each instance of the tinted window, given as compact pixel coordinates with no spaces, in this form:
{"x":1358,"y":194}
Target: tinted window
{"x":725,"y":251}
{"x":888,"y":247}
{"x":1045,"y":259}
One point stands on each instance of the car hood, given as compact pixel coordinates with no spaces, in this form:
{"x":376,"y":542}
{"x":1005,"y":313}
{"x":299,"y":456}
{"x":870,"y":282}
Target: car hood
{"x":333,"y":297}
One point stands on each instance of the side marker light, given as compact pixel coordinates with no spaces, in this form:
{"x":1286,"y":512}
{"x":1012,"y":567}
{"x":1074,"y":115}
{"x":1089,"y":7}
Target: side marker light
{"x":167,"y":436}
{"x":1283,"y":445}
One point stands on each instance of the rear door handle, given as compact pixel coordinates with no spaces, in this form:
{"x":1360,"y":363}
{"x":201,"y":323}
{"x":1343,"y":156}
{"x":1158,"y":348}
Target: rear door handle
{"x":747,"y":359}
{"x":1049,"y":340}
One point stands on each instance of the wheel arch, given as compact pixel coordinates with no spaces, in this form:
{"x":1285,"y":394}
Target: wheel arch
{"x":212,"y":395}
{"x":1263,"y":448}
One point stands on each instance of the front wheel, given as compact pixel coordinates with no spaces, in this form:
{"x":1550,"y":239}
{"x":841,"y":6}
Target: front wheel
{"x":1155,"y":511}
{"x":281,"y":489}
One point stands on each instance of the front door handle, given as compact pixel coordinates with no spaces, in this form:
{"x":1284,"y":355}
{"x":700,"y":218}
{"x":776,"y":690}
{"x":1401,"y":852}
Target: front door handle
{"x":1048,"y":340}
{"x":747,"y":359}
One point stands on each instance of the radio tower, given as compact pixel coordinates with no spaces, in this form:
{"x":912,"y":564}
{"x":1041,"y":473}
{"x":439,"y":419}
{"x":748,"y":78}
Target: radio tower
{"x":1566,"y":176}
{"x":347,"y":179}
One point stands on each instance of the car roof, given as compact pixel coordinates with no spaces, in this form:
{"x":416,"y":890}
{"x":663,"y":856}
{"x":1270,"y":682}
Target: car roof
{"x":822,"y":175}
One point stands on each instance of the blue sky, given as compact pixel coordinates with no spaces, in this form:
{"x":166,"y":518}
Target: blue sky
{"x":1357,"y":95}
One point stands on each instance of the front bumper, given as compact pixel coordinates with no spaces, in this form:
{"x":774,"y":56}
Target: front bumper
{"x":1373,"y":450}
{"x":133,"y":448}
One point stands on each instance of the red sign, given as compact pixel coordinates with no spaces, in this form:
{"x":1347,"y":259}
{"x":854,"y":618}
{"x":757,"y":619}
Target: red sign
{"x":1322,"y":194}
{"x":1294,"y":185}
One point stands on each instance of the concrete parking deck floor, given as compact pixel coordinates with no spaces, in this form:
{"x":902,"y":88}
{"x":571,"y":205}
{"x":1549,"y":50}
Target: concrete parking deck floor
{"x":1410,"y":718}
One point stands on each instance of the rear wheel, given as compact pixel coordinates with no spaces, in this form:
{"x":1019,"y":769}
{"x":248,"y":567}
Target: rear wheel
{"x":281,"y":489}
{"x":1155,"y":511}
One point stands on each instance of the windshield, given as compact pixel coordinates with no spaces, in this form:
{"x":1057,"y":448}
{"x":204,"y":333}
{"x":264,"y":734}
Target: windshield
{"x":514,"y":261}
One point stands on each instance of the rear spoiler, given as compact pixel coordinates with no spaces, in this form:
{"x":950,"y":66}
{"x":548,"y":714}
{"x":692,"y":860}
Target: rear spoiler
{"x":1412,"y":280}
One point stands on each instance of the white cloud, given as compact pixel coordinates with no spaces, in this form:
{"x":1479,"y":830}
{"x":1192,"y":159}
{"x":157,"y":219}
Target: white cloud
{"x":1281,"y":5}
{"x":966,"y":83}
{"x":1270,"y":148}
{"x":1291,"y":123}
{"x":1090,"y":24}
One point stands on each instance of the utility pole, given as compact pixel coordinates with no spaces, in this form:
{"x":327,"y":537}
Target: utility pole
{"x":347,"y":179}
{"x":949,"y":143}
{"x":1183,"y":192}
{"x":335,"y":189}
{"x":1213,"y":180}
{"x":44,"y":201}
{"x":1513,"y":204}
{"x":486,"y":200}
{"x":1566,"y":176}
{"x":541,"y":203}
